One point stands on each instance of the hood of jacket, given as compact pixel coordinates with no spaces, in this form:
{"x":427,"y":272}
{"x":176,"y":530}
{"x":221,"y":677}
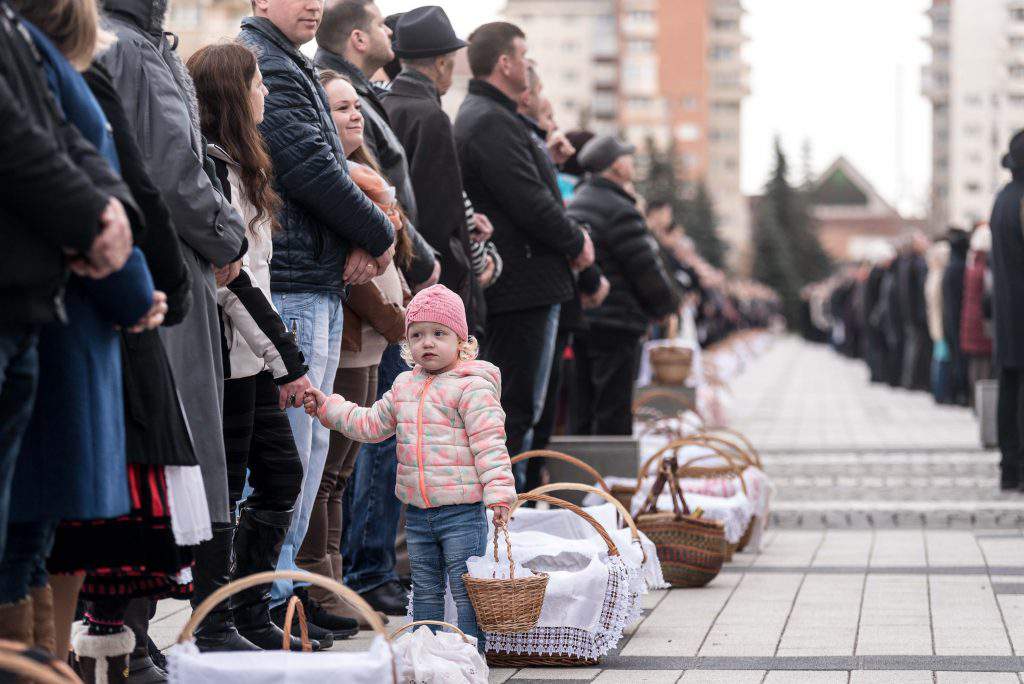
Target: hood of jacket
{"x":148,"y":15}
{"x":466,"y":369}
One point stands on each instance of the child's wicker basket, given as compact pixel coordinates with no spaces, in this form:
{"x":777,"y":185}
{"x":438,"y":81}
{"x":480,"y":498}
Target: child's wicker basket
{"x":506,"y":606}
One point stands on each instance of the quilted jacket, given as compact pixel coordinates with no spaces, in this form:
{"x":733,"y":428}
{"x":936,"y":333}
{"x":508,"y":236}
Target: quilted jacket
{"x":324,"y":212}
{"x":451,"y":434}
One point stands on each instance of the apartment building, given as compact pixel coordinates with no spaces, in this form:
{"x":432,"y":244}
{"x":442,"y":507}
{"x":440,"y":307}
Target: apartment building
{"x":976,"y":86}
{"x":201,"y":22}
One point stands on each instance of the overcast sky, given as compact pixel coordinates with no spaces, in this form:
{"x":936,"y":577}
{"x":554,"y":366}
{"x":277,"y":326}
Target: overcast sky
{"x":824,"y":70}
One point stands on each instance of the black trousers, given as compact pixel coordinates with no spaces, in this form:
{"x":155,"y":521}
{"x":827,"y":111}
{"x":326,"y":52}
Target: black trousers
{"x":606,"y":367}
{"x":1010,"y":424}
{"x":516,"y":344}
{"x":258,"y":437}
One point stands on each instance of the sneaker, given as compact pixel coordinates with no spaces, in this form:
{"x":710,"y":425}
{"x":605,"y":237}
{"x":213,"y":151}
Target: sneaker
{"x":340,"y":627}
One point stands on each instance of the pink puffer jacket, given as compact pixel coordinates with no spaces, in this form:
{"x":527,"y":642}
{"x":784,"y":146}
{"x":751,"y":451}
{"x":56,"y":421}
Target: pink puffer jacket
{"x":451,"y":434}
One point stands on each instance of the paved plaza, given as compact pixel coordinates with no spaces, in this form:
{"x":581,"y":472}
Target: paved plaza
{"x":891,"y":557}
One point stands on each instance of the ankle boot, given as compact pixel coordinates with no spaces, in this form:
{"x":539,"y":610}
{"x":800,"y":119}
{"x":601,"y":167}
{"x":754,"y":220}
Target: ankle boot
{"x":257,"y":545}
{"x":321,"y":601}
{"x":141,"y":668}
{"x":102,"y":658}
{"x":16,"y":621}
{"x":43,"y":634}
{"x":211,"y":572}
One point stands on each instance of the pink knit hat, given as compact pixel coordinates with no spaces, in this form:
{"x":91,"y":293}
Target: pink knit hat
{"x":438,"y":304}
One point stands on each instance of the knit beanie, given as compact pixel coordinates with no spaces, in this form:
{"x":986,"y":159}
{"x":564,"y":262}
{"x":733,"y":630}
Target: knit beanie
{"x":438,"y":304}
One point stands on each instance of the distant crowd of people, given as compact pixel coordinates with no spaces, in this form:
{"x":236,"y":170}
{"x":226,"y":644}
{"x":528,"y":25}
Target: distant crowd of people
{"x":212,"y":361}
{"x":941,"y":315}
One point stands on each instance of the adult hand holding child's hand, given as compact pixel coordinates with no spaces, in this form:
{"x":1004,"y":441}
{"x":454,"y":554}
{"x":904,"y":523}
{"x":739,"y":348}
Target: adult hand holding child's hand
{"x":312,"y":400}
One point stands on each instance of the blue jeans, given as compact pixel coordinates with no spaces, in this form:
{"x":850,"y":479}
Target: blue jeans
{"x":440,"y":540}
{"x":317,"y":321}
{"x":371,"y":509}
{"x":23,"y":565}
{"x":19,"y":374}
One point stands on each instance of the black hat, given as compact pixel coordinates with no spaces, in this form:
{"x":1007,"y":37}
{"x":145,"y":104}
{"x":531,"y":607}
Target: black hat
{"x":425,"y":32}
{"x":577,"y":139}
{"x":1014,"y":159}
{"x":602,"y":151}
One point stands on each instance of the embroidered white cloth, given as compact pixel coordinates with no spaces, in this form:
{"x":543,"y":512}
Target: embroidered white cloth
{"x":424,"y":657}
{"x":186,"y":665}
{"x":190,"y":515}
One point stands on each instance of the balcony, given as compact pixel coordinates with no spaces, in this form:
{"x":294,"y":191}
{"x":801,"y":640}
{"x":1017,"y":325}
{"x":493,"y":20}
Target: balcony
{"x":935,"y":83}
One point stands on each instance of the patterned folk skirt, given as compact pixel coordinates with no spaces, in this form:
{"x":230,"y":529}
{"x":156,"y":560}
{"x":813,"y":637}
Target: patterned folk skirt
{"x":132,"y":556}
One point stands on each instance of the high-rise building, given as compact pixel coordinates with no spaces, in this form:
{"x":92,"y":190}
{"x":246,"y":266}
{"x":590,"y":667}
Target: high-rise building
{"x":976,"y":86}
{"x":575,"y":46}
{"x":202,"y":22}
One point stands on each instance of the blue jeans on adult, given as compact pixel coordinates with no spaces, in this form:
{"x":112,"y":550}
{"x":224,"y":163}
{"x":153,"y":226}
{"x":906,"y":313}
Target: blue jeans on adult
{"x":371,"y":509}
{"x":440,"y":540}
{"x":316,"y":319}
{"x":19,"y":373}
{"x":23,"y":564}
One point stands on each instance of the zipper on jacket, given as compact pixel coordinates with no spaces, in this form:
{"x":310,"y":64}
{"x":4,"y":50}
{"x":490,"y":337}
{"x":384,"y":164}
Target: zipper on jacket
{"x":419,"y":440}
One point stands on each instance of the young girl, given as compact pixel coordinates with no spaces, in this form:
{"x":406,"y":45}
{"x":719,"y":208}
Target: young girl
{"x":452,"y":459}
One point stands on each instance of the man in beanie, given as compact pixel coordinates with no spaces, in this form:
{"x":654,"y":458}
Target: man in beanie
{"x":641,"y":291}
{"x":1007,"y":260}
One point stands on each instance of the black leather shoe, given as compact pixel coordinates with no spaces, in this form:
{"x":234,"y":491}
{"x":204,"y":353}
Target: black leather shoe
{"x":319,"y":637}
{"x":387,"y":600}
{"x":341,"y":627}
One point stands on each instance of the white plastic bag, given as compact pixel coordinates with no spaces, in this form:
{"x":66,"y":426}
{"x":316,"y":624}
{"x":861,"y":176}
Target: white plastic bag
{"x":424,"y":657}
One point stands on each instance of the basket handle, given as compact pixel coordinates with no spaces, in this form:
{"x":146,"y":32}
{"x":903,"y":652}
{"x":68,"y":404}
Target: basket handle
{"x":232,"y":588}
{"x":750,"y":448}
{"x":508,"y":546}
{"x":13,"y":662}
{"x":674,"y":448}
{"x":559,"y":456}
{"x":577,"y":487}
{"x":742,"y":453}
{"x":666,"y":477}
{"x":295,"y":605}
{"x":418,"y":623}
{"x":612,"y":549}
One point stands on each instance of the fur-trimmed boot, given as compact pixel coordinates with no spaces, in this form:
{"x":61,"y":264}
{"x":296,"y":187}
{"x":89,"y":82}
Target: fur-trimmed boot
{"x":43,"y":634}
{"x":102,"y":658}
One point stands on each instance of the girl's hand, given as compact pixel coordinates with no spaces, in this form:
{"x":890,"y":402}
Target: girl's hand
{"x":312,"y":400}
{"x":155,"y":316}
{"x":500,"y":516}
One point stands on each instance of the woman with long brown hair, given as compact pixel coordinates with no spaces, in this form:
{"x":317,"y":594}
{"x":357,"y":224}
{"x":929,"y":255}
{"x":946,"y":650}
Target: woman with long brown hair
{"x":264,"y":369}
{"x":374,"y":318}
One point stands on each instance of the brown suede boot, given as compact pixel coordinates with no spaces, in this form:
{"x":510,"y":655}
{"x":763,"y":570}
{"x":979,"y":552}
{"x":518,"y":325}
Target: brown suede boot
{"x":16,"y":621}
{"x":102,"y":658}
{"x":43,"y":634}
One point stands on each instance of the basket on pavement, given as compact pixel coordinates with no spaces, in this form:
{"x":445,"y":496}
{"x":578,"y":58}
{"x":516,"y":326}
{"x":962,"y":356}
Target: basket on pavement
{"x":690,"y":548}
{"x":671,"y":364}
{"x":506,"y":606}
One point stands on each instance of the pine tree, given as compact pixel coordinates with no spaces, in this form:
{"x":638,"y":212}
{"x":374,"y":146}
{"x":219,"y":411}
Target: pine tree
{"x":701,"y":224}
{"x":661,"y":183}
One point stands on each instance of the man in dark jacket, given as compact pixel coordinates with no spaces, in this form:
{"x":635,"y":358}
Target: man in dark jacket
{"x":917,"y":350}
{"x":641,"y":291}
{"x":508,"y":179}
{"x":332,"y":234}
{"x":354,"y":41}
{"x":426,"y":44}
{"x":60,"y":203}
{"x":952,"y":308}
{"x":1007,"y":302}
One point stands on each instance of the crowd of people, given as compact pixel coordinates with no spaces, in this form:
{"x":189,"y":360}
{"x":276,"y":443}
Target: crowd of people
{"x":940,"y":315}
{"x":211,"y":359}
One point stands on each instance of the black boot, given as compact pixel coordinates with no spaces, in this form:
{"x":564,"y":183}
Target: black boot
{"x":339,"y":626}
{"x":257,"y":545}
{"x":141,"y":668}
{"x":211,"y":572}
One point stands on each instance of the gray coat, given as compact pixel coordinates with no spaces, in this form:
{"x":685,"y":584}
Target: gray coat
{"x":159,"y":100}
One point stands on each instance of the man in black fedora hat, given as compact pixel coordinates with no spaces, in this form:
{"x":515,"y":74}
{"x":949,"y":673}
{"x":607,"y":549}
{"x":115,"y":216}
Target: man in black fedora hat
{"x":426,"y":44}
{"x":1007,"y":261}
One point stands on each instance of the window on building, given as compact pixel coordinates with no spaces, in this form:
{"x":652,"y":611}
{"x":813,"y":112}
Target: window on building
{"x":972,"y":131}
{"x":942,"y":162}
{"x":972,"y":187}
{"x":640,"y":17}
{"x":721,"y":24}
{"x":640,"y":46}
{"x":974,"y":157}
{"x":570,"y":75}
{"x":730,"y":164}
{"x":687,"y":132}
{"x":720,"y":53}
{"x":606,"y":36}
{"x":725,"y":106}
{"x":1016,"y":99}
{"x":639,"y":102}
{"x":722,"y":134}
{"x":1016,"y":71}
{"x":569,"y":104}
{"x":973,"y":100}
{"x":689,"y":161}
{"x":689,"y":103}
{"x":1017,"y":42}
{"x":1017,"y":13}
{"x":639,"y":75}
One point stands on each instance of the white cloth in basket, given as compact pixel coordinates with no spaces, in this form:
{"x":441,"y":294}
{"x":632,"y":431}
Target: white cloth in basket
{"x":186,"y":665}
{"x":559,"y":522}
{"x":424,"y":657}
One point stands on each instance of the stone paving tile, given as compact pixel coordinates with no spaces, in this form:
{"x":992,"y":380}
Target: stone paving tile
{"x":895,"y":616}
{"x":639,"y":676}
{"x":752,"y":621}
{"x":976,"y":678}
{"x":1008,"y":551}
{"x":965,"y":617}
{"x":1013,"y":614}
{"x":796,"y":548}
{"x":952,"y":547}
{"x":899,"y":548}
{"x":824,"y":617}
{"x":842,"y":547}
{"x":891,"y":677}
{"x":722,"y":677}
{"x":585,"y":674}
{"x":806,"y":677}
{"x":499,"y":675}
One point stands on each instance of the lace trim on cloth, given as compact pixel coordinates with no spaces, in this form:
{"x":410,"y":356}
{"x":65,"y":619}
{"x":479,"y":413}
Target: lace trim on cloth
{"x":620,"y":609}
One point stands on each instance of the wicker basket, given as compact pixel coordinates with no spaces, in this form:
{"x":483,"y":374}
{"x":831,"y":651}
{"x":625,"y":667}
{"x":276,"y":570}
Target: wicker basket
{"x":691,"y":549}
{"x":671,"y":365}
{"x":36,"y":666}
{"x":506,"y":606}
